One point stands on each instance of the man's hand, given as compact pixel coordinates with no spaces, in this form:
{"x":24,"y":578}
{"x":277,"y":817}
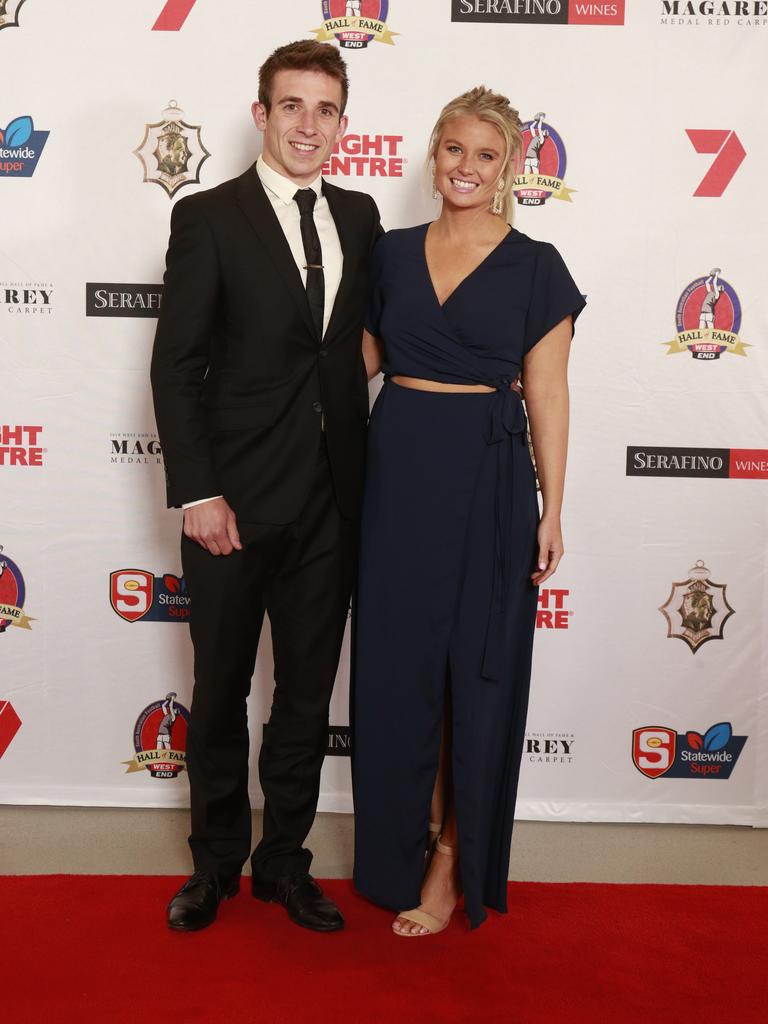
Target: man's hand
{"x":213,"y":526}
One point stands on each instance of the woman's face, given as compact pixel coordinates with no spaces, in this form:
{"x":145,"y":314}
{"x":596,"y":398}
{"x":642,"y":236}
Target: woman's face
{"x":468,"y":162}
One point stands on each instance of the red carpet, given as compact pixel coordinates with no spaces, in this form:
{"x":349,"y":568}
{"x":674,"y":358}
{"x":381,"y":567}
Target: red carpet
{"x":96,"y":949}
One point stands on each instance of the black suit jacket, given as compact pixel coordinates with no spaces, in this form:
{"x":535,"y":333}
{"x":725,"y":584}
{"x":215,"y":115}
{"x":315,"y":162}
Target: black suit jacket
{"x":241,"y":381}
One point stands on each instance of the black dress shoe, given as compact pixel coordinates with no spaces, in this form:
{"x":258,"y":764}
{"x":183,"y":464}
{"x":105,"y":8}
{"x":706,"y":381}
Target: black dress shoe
{"x":303,"y":898}
{"x":195,"y":904}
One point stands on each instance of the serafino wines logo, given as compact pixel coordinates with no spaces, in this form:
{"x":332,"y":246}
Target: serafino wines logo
{"x":697,"y":609}
{"x":10,"y":723}
{"x":9,"y":13}
{"x":13,"y":594}
{"x":658,"y":750}
{"x":540,"y":12}
{"x":355,"y":23}
{"x":729,"y":157}
{"x":173,"y":15}
{"x":544,"y":164}
{"x":19,"y":445}
{"x":136,"y":594}
{"x":160,"y":739}
{"x":708,"y":319}
{"x":172,"y":151}
{"x":377,"y":156}
{"x":20,"y":148}
{"x":552,"y":613}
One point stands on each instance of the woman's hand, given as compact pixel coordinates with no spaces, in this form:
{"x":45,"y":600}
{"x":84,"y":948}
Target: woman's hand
{"x":550,"y":539}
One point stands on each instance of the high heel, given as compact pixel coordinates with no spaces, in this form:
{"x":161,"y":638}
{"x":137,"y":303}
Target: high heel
{"x":421,"y":917}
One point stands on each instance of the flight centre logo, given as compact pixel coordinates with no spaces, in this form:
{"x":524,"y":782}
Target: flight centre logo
{"x":658,"y":750}
{"x":160,"y":739}
{"x":20,"y":445}
{"x":697,"y":609}
{"x":715,"y":13}
{"x":172,"y":151}
{"x":21,"y":146}
{"x":544,"y":163}
{"x":708,"y":319}
{"x":355,"y":23}
{"x":540,"y":12}
{"x":13,"y":594}
{"x":552,"y":612}
{"x":377,"y":156}
{"x":136,"y":594}
{"x":9,"y":13}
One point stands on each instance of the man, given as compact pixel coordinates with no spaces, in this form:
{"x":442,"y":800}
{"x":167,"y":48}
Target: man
{"x":539,"y":135}
{"x":261,"y":402}
{"x":710,"y":300}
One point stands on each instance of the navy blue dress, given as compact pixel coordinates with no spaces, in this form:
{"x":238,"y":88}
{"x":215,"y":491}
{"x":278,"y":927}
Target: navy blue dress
{"x":445,"y":603}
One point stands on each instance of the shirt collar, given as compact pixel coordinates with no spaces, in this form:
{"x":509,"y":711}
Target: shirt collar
{"x":283,"y":187}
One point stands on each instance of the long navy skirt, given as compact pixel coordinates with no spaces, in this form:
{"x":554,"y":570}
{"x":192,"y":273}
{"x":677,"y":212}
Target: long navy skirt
{"x":429,"y":554}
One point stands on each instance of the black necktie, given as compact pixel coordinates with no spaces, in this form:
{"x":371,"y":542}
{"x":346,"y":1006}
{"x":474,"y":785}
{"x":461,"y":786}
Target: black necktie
{"x":306,"y":198}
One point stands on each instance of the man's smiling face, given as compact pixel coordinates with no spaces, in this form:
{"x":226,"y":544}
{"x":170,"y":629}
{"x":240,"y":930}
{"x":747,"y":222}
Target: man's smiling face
{"x":303,"y":123}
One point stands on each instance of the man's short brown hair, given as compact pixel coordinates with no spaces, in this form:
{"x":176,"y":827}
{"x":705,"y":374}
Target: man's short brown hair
{"x":306,"y":55}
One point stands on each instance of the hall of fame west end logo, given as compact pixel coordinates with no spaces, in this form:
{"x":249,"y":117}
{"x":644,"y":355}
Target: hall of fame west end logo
{"x":172,"y":151}
{"x":708,"y":319}
{"x":697,"y":609}
{"x":544,"y":163}
{"x":355,"y":23}
{"x":13,"y":594}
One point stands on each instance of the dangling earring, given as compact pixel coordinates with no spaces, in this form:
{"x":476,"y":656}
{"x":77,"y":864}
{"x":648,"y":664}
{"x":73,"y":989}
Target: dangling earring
{"x":435,"y":193}
{"x":496,"y":204}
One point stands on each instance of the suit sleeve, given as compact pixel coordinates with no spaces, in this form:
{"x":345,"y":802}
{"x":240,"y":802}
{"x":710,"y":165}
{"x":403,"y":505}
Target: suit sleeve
{"x":181,"y":355}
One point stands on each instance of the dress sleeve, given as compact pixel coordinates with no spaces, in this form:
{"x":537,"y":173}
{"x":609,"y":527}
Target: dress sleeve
{"x":553,"y":296}
{"x":375,"y":290}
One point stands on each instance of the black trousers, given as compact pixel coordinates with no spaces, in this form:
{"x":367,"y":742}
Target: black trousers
{"x":301,"y":575}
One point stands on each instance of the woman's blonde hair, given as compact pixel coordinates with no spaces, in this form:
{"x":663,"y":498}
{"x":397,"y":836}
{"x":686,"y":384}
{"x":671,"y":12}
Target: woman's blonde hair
{"x":495,"y":109}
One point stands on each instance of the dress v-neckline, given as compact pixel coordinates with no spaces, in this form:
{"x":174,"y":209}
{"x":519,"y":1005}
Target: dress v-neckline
{"x":464,"y":279}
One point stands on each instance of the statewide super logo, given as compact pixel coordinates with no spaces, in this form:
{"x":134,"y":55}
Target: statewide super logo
{"x":696,"y":609}
{"x":172,"y":151}
{"x":13,"y":594}
{"x":708,"y":319}
{"x":355,"y":23}
{"x":658,"y":750}
{"x":136,"y":594}
{"x":544,"y":163}
{"x":20,"y":148}
{"x":160,"y":739}
{"x":9,"y":13}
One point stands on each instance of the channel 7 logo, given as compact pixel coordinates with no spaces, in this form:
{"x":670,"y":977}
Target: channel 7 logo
{"x":729,"y":156}
{"x":173,"y":15}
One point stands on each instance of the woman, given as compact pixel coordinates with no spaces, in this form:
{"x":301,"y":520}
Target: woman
{"x":452,"y":547}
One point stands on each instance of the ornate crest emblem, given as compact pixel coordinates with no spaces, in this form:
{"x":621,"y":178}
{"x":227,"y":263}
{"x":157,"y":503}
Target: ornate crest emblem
{"x":544,"y":161}
{"x":13,"y":593}
{"x":355,"y":23}
{"x":708,"y":319}
{"x":9,"y":13}
{"x":696,"y":609}
{"x":653,"y":750}
{"x":172,"y":151}
{"x":131,"y":592}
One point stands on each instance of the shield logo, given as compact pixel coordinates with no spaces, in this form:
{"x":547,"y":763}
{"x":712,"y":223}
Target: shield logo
{"x":9,"y":13}
{"x":697,"y":609}
{"x":131,"y":592}
{"x":653,"y":750}
{"x":172,"y":151}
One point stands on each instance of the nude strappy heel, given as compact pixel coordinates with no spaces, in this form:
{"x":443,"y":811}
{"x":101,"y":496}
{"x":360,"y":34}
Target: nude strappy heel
{"x":421,"y":917}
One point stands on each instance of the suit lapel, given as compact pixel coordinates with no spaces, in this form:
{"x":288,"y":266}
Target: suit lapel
{"x":258,"y":210}
{"x":348,"y":242}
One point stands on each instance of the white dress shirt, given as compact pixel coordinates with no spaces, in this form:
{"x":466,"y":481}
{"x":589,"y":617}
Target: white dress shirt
{"x":280,"y":192}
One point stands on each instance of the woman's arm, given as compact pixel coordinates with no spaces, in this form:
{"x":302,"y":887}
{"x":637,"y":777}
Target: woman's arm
{"x":545,"y":383}
{"x":372,"y":354}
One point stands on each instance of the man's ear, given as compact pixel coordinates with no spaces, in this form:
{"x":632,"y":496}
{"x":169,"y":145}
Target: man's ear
{"x":342,"y":129}
{"x":259,"y":115}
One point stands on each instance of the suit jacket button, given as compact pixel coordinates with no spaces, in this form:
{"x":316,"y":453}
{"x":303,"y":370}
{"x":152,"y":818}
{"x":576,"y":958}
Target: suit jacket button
{"x":317,"y":407}
{"x":323,"y":353}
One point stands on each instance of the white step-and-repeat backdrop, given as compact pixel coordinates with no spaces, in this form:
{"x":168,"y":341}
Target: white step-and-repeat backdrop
{"x":648,"y":698}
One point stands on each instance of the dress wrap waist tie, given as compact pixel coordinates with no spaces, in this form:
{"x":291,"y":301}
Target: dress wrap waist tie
{"x":507,"y":430}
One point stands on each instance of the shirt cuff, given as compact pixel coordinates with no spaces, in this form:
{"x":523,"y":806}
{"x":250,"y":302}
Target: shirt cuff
{"x":201,"y":501}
